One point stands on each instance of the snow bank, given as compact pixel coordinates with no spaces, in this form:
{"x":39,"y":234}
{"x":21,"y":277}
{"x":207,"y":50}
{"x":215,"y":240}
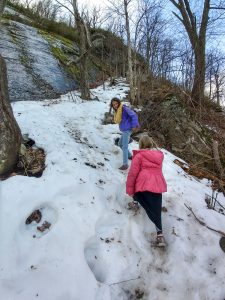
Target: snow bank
{"x":96,"y":248}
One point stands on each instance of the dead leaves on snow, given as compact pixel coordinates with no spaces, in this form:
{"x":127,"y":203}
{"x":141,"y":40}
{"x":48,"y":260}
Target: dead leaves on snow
{"x":200,"y":173}
{"x":31,"y":162}
{"x":36,"y":216}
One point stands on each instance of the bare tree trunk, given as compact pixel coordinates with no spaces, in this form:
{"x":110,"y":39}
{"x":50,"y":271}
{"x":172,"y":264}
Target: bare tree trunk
{"x":103,"y":72}
{"x":199,"y":77}
{"x":85,"y":45}
{"x":116,"y":57}
{"x":135,"y":101}
{"x":217,"y":89}
{"x":2,"y":6}
{"x":210,"y":86}
{"x":148,"y":49}
{"x":139,"y":86}
{"x":110,"y":64}
{"x":124,"y":66}
{"x":10,"y":135}
{"x":198,"y":41}
{"x":129,"y":52}
{"x":84,"y":86}
{"x":216,"y":155}
{"x":210,"y":70}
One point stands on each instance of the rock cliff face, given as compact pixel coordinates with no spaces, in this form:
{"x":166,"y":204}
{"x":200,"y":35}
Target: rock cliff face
{"x":42,"y":56}
{"x":34,"y":73}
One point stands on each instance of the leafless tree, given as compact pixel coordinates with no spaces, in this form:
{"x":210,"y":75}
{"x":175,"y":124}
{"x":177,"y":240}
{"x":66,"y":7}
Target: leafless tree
{"x":93,"y":17}
{"x":216,"y":75}
{"x":86,"y":43}
{"x":218,"y":5}
{"x":197,"y":36}
{"x":45,"y":9}
{"x":85,"y":46}
{"x":28,"y":3}
{"x":10,"y":135}
{"x":186,"y":61}
{"x":121,"y":9}
{"x":151,"y":25}
{"x":155,"y":45}
{"x":129,"y":50}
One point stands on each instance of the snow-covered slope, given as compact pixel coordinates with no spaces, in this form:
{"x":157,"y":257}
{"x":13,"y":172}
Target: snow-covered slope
{"x":96,"y":248}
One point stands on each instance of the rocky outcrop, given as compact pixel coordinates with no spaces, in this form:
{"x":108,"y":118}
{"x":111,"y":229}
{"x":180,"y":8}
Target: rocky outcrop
{"x":34,"y":73}
{"x":172,"y":125}
{"x":10,"y":135}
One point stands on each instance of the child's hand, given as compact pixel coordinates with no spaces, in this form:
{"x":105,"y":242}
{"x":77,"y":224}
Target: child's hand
{"x":136,"y":129}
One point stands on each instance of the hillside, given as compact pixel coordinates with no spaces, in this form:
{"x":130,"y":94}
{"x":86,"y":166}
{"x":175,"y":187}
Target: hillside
{"x":95,"y":247}
{"x":41,"y":54}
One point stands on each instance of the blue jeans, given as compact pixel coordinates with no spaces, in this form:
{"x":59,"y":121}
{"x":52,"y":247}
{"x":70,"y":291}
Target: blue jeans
{"x":123,"y":143}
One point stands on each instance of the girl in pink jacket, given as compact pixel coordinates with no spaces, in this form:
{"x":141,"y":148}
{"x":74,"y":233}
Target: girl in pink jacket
{"x":146,"y":183}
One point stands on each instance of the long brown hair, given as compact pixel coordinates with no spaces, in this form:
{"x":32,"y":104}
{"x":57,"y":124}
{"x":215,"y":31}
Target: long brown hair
{"x":116,"y":100}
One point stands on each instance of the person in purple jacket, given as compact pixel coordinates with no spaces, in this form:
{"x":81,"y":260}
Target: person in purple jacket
{"x":128,"y":122}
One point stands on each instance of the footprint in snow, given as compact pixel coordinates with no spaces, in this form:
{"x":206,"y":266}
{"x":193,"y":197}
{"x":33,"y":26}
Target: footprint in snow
{"x":41,"y":220}
{"x":95,"y":260}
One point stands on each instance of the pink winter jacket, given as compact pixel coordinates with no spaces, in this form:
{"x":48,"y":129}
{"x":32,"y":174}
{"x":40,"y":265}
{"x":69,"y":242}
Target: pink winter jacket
{"x":145,"y":173}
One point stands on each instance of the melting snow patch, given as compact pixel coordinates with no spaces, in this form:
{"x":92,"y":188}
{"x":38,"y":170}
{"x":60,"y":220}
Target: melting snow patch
{"x":95,"y":247}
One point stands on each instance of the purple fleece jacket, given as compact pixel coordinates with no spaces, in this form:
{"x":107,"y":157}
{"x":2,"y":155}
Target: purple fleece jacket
{"x":129,"y":119}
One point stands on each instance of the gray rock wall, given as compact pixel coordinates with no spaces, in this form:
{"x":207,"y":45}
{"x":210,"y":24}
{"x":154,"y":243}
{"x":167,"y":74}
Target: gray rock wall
{"x":33,"y":71}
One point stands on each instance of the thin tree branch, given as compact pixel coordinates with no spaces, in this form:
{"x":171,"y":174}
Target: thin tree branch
{"x":190,"y":14}
{"x":216,"y":155}
{"x":192,"y":32}
{"x":205,"y":18}
{"x":66,"y":7}
{"x":178,"y":17}
{"x":203,"y":223}
{"x":215,"y":7}
{"x":175,"y":4}
{"x":125,"y":281}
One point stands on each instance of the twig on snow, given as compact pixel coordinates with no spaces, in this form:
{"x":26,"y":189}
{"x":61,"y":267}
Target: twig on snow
{"x":125,"y":281}
{"x":203,"y":223}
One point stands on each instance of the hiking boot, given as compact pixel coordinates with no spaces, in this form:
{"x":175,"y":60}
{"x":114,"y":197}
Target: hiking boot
{"x":160,"y":241}
{"x":133,"y":206}
{"x":123,"y":167}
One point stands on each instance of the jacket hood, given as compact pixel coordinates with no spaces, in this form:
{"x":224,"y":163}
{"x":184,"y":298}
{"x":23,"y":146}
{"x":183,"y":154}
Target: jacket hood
{"x":153,"y":156}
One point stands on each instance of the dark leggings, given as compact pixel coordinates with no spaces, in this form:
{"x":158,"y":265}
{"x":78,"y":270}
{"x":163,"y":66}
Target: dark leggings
{"x":152,"y":203}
